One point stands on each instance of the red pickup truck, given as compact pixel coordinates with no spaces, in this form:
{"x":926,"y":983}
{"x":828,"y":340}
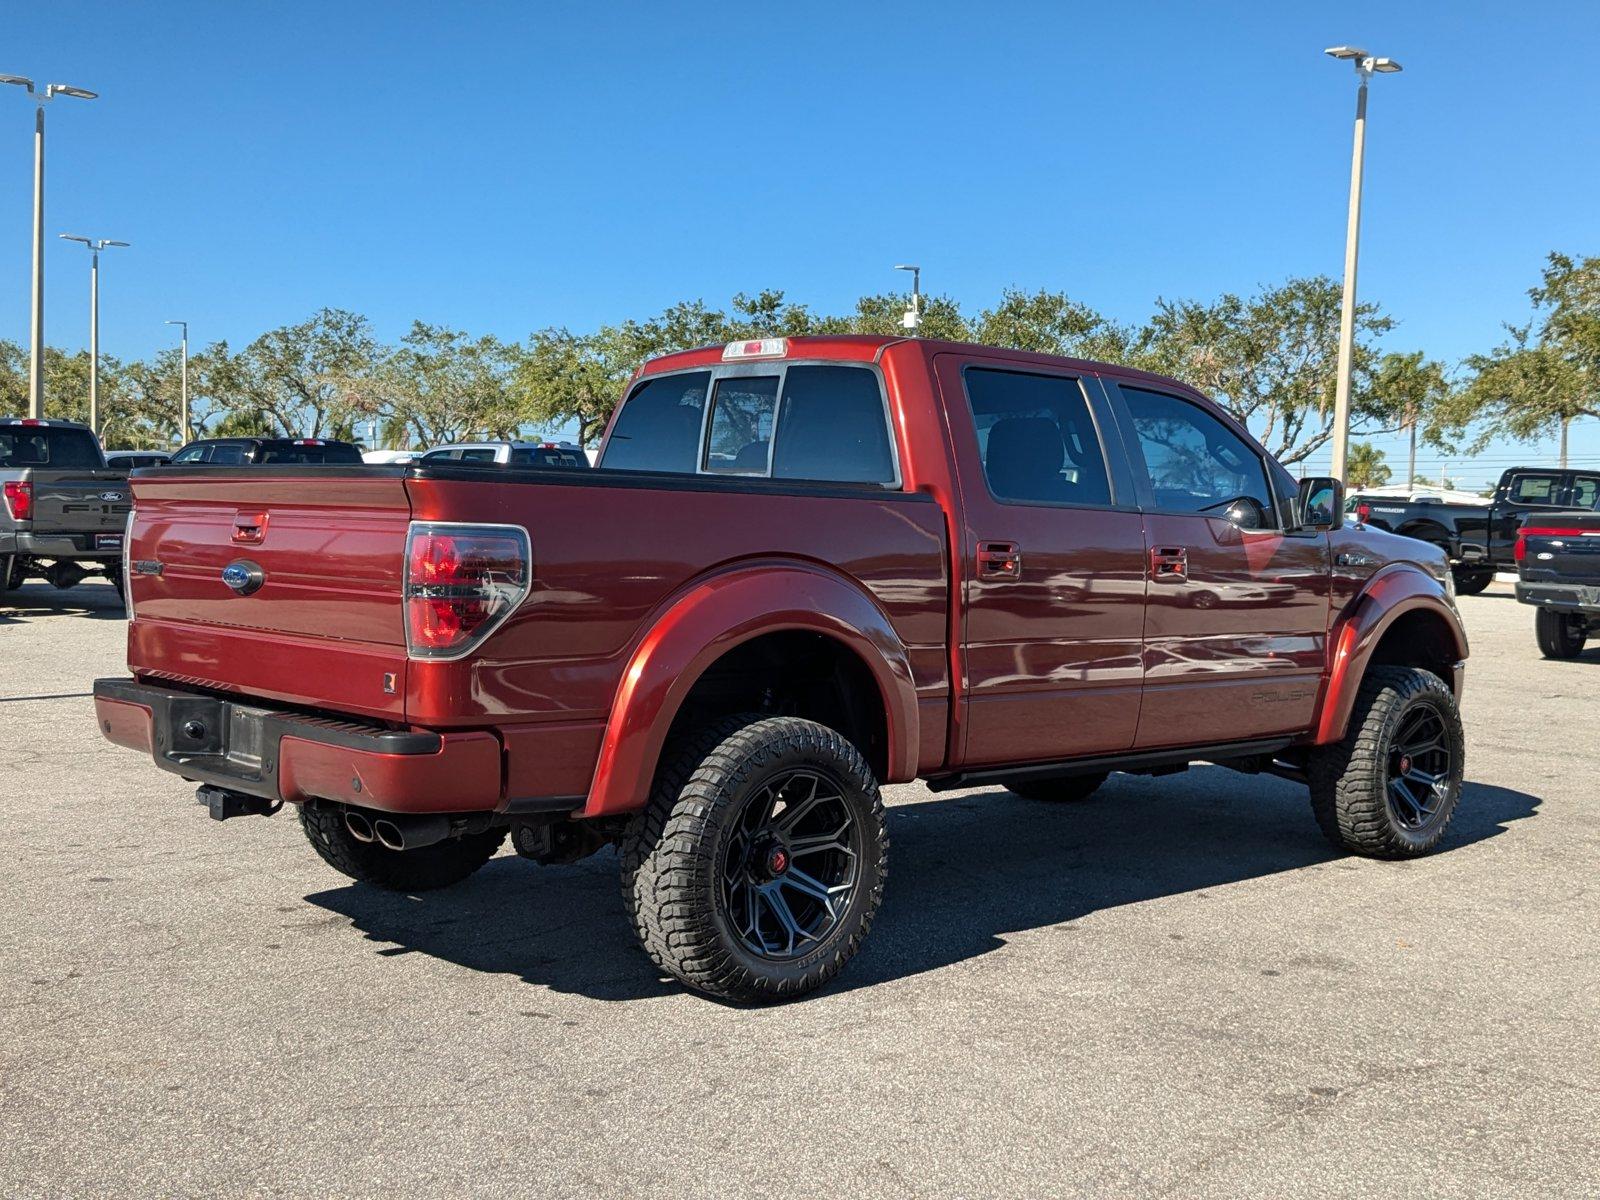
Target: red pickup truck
{"x":805,"y":568}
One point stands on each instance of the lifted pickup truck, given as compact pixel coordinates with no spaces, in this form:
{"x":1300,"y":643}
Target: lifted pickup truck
{"x":64,"y":511}
{"x":1480,"y":538}
{"x":804,"y":568}
{"x":1558,"y":570}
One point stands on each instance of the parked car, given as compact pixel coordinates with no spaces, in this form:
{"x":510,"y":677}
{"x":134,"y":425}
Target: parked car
{"x":568,"y":455}
{"x":264,"y":451}
{"x":712,"y":656}
{"x":1558,"y":571}
{"x":390,"y":457}
{"x":132,"y":460}
{"x":1479,"y":538}
{"x":64,"y":512}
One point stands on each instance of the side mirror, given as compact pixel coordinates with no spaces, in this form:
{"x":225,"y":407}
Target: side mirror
{"x":1319,"y":504}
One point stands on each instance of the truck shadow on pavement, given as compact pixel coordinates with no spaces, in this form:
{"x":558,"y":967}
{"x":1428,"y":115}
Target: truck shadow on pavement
{"x":40,"y":601}
{"x":964,"y":872}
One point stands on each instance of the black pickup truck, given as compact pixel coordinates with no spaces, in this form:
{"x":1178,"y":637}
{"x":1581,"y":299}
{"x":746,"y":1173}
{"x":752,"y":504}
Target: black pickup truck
{"x":64,"y":512}
{"x":1558,"y":571}
{"x":1480,"y":539}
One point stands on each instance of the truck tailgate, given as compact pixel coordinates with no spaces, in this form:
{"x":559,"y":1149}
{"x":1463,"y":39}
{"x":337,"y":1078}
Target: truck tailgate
{"x":87,"y":502}
{"x":313,"y":613}
{"x":1562,"y":547}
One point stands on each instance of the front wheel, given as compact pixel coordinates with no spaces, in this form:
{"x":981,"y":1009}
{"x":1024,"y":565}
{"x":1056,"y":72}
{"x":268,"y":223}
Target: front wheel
{"x":755,"y":869}
{"x":1560,"y":635}
{"x":1389,"y":789}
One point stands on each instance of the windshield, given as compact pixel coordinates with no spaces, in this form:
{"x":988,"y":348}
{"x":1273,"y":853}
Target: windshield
{"x":44,"y":446}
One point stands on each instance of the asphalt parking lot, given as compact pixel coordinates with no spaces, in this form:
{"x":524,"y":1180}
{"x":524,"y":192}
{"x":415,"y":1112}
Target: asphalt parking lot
{"x":1176,"y":988}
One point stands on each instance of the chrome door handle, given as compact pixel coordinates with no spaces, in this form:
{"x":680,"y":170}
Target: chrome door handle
{"x":1169,"y":564}
{"x":999,"y":560}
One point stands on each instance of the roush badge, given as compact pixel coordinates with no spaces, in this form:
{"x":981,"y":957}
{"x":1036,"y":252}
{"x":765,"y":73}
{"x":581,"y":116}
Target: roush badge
{"x":243,"y":576}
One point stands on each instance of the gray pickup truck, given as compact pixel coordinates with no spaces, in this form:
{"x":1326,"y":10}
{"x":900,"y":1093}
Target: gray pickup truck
{"x":63,"y":512}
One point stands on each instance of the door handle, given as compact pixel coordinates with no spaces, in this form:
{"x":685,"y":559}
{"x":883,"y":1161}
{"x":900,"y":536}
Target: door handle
{"x":999,"y":560}
{"x":1169,"y":564}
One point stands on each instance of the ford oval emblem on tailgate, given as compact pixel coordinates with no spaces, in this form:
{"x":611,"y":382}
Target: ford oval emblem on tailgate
{"x":111,"y":497}
{"x":243,"y":576}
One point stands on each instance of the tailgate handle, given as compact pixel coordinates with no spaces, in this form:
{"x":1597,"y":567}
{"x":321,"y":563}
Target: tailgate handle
{"x":249,"y":528}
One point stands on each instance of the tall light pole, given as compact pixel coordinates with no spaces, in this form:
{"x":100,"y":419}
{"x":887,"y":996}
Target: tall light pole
{"x":913,"y":315}
{"x":95,"y":246}
{"x":183,"y":404}
{"x":1365,"y":64}
{"x":36,"y":331}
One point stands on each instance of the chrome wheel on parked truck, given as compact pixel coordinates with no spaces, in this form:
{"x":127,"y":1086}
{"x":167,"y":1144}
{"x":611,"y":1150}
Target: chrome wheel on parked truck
{"x":756,"y":868}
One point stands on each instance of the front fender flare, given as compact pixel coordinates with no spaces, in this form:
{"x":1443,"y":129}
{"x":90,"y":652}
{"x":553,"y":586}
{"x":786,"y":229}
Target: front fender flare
{"x":1393,"y":592}
{"x":711,"y":617}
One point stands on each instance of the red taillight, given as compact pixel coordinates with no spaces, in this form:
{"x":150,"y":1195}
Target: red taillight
{"x":19,"y":500}
{"x":1363,"y":511}
{"x":461,"y":582}
{"x":1520,"y":550}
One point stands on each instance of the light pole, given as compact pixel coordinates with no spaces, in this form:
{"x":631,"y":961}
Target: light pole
{"x":183,"y":403}
{"x":95,"y":246}
{"x":913,"y":315}
{"x":36,"y":332}
{"x":1365,"y":65}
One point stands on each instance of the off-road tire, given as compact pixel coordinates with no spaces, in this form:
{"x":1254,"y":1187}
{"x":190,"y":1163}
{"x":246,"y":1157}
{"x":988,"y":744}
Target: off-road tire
{"x":1560,"y":635}
{"x":1064,"y":790}
{"x":420,"y":870}
{"x":1472,"y":580}
{"x":1349,"y":780}
{"x":672,"y":854}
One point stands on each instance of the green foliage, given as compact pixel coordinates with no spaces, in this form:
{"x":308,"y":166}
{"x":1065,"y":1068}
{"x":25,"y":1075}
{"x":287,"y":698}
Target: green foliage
{"x":1365,"y":467}
{"x":443,"y":385}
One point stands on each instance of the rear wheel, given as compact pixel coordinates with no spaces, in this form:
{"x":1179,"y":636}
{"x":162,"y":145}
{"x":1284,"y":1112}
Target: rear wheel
{"x":1070,"y":788}
{"x":1472,"y":580}
{"x":5,"y":572}
{"x":1389,"y":789}
{"x":1560,"y":635}
{"x":421,"y":870}
{"x":755,"y":870}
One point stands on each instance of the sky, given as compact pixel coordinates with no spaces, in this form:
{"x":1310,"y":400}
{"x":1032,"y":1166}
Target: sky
{"x":502,"y":167}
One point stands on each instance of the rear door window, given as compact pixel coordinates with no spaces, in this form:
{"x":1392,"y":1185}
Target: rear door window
{"x":658,"y":428}
{"x":227,"y":454}
{"x":743,"y":413}
{"x":1543,"y":489}
{"x":1036,"y":438}
{"x":49,"y":448}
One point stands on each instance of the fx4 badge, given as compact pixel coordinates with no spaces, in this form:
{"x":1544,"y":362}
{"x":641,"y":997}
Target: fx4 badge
{"x":243,"y":576}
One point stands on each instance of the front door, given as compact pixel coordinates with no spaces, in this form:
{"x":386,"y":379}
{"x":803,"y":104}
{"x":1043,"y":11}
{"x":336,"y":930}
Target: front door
{"x":1052,"y":565}
{"x":1236,"y":626}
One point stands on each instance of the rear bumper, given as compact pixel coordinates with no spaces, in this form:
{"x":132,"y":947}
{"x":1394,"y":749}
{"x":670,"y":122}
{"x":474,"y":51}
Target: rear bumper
{"x":1571,"y":597}
{"x":279,"y":755}
{"x":75,"y":546}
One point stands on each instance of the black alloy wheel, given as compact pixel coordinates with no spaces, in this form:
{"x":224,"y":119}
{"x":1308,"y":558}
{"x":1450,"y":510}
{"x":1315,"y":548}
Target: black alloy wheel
{"x":1419,"y":779}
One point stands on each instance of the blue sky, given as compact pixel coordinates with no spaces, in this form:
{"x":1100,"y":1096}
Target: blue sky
{"x":502,"y":167}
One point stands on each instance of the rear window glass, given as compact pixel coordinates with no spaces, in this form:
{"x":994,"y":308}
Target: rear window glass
{"x":1036,"y":438}
{"x":742,"y":416}
{"x":1585,"y":493}
{"x":658,"y":428}
{"x":832,"y":427}
{"x":546,"y":456}
{"x":227,"y":455}
{"x":53,"y":449}
{"x":289,"y":452}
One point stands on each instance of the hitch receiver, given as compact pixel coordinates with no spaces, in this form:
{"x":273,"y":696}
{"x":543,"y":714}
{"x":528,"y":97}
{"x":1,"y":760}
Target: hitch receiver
{"x":224,"y":804}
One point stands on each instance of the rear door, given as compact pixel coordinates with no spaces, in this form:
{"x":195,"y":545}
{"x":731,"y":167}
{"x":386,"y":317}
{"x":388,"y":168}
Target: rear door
{"x":1237,"y":618}
{"x":1051,"y":562}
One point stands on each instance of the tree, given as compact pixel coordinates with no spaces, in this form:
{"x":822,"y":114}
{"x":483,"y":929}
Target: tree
{"x":1271,"y":359}
{"x":1366,"y":468}
{"x":1546,"y":374}
{"x":1051,"y":323}
{"x":312,"y":379}
{"x":443,"y":386}
{"x":1418,"y":390}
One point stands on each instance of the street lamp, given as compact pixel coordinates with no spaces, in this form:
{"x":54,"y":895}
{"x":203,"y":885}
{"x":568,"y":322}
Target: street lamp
{"x":95,"y":246}
{"x":36,"y":339}
{"x":913,"y":315}
{"x":183,"y":404}
{"x":1366,"y":65}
